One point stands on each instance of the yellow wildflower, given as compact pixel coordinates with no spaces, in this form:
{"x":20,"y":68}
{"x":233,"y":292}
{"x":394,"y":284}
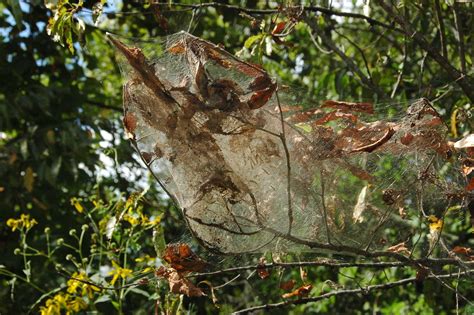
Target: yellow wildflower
{"x":76,"y":203}
{"x":131,"y":219}
{"x":23,"y":222}
{"x":147,"y":222}
{"x":76,"y":305}
{"x":119,"y":272}
{"x":53,"y":306}
{"x":435,"y":223}
{"x":86,"y":288}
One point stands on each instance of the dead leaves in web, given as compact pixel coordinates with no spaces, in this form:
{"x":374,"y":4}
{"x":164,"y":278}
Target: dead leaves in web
{"x":376,"y":144}
{"x":262,"y":272}
{"x":178,"y":283}
{"x":180,"y":257}
{"x":130,"y":123}
{"x":182,"y":260}
{"x":348,"y":107}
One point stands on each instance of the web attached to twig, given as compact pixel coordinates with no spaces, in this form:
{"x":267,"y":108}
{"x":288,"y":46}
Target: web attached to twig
{"x":253,"y":171}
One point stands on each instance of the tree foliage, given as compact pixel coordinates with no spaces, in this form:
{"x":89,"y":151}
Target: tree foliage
{"x":84,"y":228}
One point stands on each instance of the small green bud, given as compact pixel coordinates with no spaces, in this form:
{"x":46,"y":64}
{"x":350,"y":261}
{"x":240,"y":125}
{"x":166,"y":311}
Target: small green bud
{"x":60,"y":241}
{"x":72,"y":232}
{"x":69,"y":257}
{"x":58,"y":267}
{"x":84,"y":227}
{"x":17,"y":251}
{"x":47,"y":230}
{"x":85,"y":259}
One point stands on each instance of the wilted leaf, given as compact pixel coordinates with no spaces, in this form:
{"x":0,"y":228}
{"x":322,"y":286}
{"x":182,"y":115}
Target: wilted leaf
{"x":182,"y":258}
{"x":261,"y":270}
{"x":260,"y":98}
{"x":399,"y":248}
{"x":288,"y":285}
{"x":178,"y":48}
{"x":130,"y":123}
{"x":300,"y":292}
{"x":178,"y":284}
{"x":279,"y":27}
{"x":461,"y":250}
{"x":350,"y":107}
{"x":375,"y":145}
{"x":336,"y":115}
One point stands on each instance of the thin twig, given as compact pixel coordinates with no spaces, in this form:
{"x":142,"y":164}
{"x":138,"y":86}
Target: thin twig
{"x":464,"y":81}
{"x":327,"y":11}
{"x":460,"y":37}
{"x":347,"y":60}
{"x":442,"y":38}
{"x":439,"y":262}
{"x":288,"y":164}
{"x":363,"y":291}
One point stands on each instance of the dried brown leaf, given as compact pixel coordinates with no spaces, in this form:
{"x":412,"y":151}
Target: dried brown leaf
{"x":461,"y":250}
{"x":261,"y":97}
{"x":130,"y":124}
{"x":182,"y":258}
{"x":300,"y":292}
{"x":399,"y":248}
{"x":261,"y":270}
{"x":279,"y":27}
{"x":179,"y":284}
{"x":178,"y":48}
{"x":334,"y":115}
{"x":373,"y":146}
{"x":349,"y":106}
{"x":288,"y":285}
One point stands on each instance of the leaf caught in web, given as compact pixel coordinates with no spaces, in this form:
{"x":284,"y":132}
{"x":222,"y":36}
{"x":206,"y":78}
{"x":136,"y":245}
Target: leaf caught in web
{"x":222,"y":138}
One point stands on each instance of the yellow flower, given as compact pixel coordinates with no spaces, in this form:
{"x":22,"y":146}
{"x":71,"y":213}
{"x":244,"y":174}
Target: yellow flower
{"x":23,"y":222}
{"x":435,"y":223}
{"x":75,"y":202}
{"x":53,"y":306}
{"x":131,"y":219}
{"x":146,"y":221}
{"x":76,"y":305}
{"x":146,"y":259}
{"x":119,"y":272}
{"x":86,"y":289}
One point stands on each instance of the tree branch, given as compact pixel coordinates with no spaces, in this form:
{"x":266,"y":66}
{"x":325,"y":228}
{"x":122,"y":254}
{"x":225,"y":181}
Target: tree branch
{"x":327,"y":11}
{"x":365,"y":290}
{"x":463,"y":80}
{"x":438,"y":262}
{"x":347,"y":60}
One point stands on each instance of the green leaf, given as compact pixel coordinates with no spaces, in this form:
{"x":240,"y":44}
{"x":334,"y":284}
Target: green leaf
{"x":252,"y":39}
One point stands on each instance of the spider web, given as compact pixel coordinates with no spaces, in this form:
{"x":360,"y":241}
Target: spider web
{"x":253,"y":169}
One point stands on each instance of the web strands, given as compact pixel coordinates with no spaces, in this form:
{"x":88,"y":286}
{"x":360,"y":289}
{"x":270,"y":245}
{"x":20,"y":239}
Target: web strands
{"x":252,"y":173}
